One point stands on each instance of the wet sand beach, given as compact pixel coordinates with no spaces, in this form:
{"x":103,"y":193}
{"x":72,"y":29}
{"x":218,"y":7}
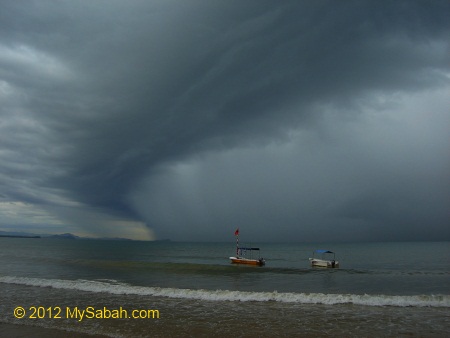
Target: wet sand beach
{"x":25,"y":331}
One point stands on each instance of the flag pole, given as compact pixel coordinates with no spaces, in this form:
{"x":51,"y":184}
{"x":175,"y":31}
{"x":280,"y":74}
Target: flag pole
{"x":236,"y":233}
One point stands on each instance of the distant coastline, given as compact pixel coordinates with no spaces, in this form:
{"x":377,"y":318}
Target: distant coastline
{"x":20,"y":236}
{"x":69,"y":236}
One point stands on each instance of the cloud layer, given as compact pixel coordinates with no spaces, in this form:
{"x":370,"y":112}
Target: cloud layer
{"x":294,"y":121}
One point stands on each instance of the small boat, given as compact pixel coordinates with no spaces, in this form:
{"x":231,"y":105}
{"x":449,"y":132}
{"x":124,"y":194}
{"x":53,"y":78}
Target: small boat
{"x":243,"y":252}
{"x":242,"y":259}
{"x":327,"y":259}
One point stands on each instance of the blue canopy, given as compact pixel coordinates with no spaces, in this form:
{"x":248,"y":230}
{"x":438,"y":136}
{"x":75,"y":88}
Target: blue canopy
{"x":248,"y":248}
{"x":324,"y":251}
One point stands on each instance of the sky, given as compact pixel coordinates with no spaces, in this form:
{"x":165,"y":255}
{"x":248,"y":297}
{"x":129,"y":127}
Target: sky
{"x":296,"y":120}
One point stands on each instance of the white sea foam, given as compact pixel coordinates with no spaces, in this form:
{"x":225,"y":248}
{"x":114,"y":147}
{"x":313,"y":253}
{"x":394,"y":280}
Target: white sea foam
{"x":114,"y":287}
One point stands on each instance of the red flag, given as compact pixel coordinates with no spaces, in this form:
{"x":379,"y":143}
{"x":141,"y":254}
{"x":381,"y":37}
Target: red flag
{"x":236,"y":233}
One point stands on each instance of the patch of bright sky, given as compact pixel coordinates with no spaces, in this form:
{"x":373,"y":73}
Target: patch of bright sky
{"x":34,"y":61}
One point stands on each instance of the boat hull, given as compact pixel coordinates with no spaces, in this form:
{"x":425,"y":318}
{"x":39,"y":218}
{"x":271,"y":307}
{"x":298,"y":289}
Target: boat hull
{"x":246,"y":261}
{"x":322,"y":263}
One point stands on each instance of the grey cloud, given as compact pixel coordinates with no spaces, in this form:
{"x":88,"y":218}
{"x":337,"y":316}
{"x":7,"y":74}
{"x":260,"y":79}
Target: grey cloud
{"x":114,"y":93}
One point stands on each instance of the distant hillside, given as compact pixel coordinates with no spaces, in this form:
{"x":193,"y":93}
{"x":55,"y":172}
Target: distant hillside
{"x":64,"y":236}
{"x":15,"y":234}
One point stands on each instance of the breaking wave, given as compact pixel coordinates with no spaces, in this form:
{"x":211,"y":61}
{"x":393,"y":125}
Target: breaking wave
{"x":118,"y":288}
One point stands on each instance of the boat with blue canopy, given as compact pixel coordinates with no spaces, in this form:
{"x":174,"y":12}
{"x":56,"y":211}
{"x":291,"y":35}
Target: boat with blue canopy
{"x":324,"y":259}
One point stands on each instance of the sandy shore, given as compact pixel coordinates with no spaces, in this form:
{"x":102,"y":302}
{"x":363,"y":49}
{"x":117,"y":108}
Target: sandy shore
{"x":24,"y":331}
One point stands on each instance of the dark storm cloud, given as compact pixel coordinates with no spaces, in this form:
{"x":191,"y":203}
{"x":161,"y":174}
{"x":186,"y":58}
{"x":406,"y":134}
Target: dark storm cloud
{"x":101,"y":100}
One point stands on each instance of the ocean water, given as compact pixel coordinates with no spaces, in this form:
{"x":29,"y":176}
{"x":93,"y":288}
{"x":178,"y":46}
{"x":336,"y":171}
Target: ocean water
{"x":380,"y":290}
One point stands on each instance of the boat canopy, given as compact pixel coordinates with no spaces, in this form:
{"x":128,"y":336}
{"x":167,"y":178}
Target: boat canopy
{"x":324,"y":251}
{"x":248,"y":248}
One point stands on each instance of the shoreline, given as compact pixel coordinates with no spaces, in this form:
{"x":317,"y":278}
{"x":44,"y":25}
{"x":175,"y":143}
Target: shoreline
{"x":21,"y":330}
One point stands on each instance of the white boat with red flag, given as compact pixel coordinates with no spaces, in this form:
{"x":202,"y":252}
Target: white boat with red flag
{"x":245,"y":255}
